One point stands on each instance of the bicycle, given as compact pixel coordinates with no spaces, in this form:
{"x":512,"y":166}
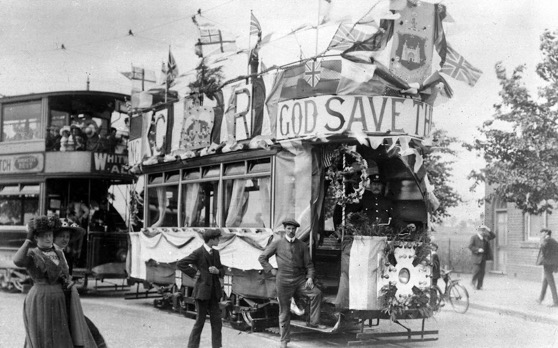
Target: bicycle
{"x":454,"y":293}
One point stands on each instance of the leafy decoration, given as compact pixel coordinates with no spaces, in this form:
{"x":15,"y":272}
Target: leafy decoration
{"x":416,"y":305}
{"x":339,"y":178}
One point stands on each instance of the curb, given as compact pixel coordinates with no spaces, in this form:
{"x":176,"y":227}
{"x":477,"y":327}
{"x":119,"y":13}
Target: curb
{"x":515,"y":313}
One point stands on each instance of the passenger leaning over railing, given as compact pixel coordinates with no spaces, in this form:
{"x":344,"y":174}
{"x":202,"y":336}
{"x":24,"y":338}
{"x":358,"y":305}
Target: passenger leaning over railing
{"x":53,"y":137}
{"x":93,"y":141}
{"x":77,"y":137}
{"x":66,"y":140}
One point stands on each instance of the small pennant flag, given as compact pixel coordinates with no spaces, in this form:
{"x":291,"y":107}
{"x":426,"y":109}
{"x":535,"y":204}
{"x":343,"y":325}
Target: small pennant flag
{"x":458,"y":68}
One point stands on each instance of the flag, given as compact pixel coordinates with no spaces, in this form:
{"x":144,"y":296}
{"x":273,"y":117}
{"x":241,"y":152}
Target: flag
{"x":458,"y":68}
{"x":258,"y":104}
{"x":436,"y":79}
{"x":255,"y":27}
{"x":218,"y":111}
{"x":172,"y":69}
{"x":140,"y":74}
{"x":355,"y":78}
{"x":273,"y":98}
{"x":381,"y":73}
{"x":346,"y":36}
{"x":310,"y":79}
{"x":213,"y":40}
{"x":439,"y":35}
{"x":378,"y":41}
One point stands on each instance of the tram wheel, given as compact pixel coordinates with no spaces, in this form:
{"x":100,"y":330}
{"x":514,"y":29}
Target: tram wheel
{"x":160,"y":303}
{"x":237,"y":321}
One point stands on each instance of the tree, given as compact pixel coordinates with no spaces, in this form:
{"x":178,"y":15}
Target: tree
{"x":438,"y":165}
{"x":522,"y":162}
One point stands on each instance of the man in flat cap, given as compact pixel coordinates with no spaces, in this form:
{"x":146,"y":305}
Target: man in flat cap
{"x":294,"y":276}
{"x":481,"y":252}
{"x":207,"y":289}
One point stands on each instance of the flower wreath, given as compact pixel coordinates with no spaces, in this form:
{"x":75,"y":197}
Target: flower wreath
{"x":338,"y":177}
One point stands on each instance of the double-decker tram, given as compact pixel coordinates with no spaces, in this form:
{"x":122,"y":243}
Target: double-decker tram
{"x":65,"y":153}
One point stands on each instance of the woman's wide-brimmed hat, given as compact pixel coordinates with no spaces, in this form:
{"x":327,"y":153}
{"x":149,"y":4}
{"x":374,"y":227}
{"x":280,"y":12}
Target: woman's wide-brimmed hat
{"x":41,"y":224}
{"x":76,"y":231}
{"x":65,"y":128}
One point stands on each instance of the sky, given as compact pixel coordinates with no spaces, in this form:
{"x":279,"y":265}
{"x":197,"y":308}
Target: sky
{"x":58,"y":45}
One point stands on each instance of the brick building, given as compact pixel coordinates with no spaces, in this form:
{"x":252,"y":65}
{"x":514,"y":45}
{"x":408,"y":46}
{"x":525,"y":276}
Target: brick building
{"x":517,"y":238}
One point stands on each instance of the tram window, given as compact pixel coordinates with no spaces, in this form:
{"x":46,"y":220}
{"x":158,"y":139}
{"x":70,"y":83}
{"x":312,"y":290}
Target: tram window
{"x":155,"y":179}
{"x":17,"y":208}
{"x":259,"y":166}
{"x":58,"y":118}
{"x":211,"y":172}
{"x":235,"y":168}
{"x":247,"y":202}
{"x":199,"y":204}
{"x":172,"y":176}
{"x":163,"y":206}
{"x":55,"y":203}
{"x":21,"y":121}
{"x":192,"y":174}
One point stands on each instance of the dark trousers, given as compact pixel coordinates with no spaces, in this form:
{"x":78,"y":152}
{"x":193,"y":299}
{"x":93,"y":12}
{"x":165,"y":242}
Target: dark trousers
{"x":478,"y":273}
{"x":286,"y":289}
{"x":203,"y":306}
{"x":549,"y":281}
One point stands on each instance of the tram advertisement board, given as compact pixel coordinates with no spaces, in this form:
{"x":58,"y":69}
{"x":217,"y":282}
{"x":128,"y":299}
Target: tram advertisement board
{"x":356,"y":113}
{"x":109,"y":163}
{"x":22,"y":163}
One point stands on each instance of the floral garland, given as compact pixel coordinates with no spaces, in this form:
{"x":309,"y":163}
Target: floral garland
{"x":419,"y":303}
{"x":339,"y":177}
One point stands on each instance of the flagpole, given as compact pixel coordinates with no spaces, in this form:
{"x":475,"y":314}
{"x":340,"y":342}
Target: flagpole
{"x":167,"y":77}
{"x":249,"y":50}
{"x":318,"y":25}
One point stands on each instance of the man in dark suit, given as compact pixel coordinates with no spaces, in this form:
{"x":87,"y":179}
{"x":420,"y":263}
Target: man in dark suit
{"x":480,"y":248}
{"x":376,"y":206}
{"x":207,"y":289}
{"x":548,"y":258}
{"x":294,"y":275}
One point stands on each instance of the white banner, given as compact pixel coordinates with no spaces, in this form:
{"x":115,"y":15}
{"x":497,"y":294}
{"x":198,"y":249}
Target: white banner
{"x":338,"y":114}
{"x":364,"y":266}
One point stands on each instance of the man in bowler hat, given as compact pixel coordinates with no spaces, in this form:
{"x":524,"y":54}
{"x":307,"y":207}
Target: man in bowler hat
{"x":481,"y":252}
{"x":294,"y":275}
{"x":548,"y":258}
{"x":207,"y":289}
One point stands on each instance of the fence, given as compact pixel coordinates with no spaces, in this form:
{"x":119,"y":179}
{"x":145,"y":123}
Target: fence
{"x":454,"y":252}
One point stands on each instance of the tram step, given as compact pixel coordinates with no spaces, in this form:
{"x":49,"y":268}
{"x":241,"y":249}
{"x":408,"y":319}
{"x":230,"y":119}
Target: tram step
{"x":302,"y":324}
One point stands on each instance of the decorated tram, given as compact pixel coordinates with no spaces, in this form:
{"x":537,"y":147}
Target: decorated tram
{"x":301,"y":141}
{"x":64,"y":153}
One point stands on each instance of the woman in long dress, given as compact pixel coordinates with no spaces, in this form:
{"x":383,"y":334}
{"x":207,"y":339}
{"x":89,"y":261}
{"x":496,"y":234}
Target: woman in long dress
{"x":68,"y":233}
{"x":45,"y":315}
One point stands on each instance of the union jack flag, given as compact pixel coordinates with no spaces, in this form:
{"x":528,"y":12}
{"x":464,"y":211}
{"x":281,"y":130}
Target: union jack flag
{"x":312,"y":72}
{"x":255,"y":27}
{"x":172,"y":69}
{"x":346,"y":36}
{"x":458,"y":68}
